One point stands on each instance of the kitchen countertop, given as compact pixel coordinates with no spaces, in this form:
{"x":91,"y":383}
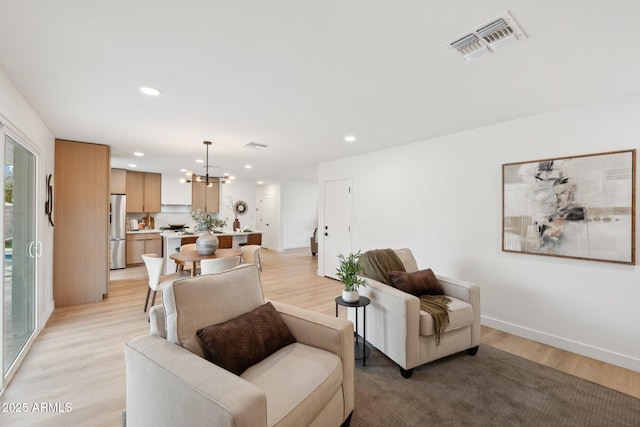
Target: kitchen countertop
{"x":169,"y":233}
{"x":145,"y":231}
{"x":175,"y":234}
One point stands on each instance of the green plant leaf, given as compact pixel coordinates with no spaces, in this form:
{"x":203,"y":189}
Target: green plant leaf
{"x":349,"y":271}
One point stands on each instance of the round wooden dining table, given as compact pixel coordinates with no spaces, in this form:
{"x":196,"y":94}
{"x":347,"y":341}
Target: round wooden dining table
{"x":194,"y":257}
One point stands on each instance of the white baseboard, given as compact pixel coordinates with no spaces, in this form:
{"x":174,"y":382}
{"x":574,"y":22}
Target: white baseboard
{"x":48,"y":311}
{"x":624,"y":361}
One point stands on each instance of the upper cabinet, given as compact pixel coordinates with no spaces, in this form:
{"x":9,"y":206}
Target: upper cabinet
{"x":174,"y":192}
{"x":205,"y":197}
{"x":118,"y":181}
{"x":143,"y":191}
{"x":152,"y":192}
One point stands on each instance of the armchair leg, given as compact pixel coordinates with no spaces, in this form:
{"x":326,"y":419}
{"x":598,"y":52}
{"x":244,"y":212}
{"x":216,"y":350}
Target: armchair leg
{"x":472,"y":351}
{"x":406,"y":373}
{"x":347,"y":421}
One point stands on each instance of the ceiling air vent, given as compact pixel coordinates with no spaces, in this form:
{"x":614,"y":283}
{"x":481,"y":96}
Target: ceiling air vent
{"x":489,"y":37}
{"x":255,"y":146}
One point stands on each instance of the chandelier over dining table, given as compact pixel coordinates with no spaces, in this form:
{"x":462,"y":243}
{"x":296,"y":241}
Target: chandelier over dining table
{"x":206,"y":179}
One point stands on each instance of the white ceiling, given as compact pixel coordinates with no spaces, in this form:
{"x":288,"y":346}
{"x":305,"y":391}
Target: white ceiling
{"x":299,"y":76}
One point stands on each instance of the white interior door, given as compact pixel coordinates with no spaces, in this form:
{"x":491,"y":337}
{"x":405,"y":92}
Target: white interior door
{"x":336,"y":231}
{"x":264,"y":220}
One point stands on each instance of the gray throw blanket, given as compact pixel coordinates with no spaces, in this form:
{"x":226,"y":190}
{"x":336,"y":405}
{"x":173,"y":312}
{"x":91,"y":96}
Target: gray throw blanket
{"x":377,"y":263}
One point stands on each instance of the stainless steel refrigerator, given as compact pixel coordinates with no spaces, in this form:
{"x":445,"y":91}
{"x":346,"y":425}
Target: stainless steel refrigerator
{"x":117,"y":231}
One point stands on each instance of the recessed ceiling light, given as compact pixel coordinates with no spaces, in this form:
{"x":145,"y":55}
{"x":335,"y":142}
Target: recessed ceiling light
{"x":259,"y":182}
{"x":138,"y":153}
{"x":248,"y":166}
{"x":350,"y":138}
{"x":149,"y":91}
{"x":133,"y":165}
{"x":199,"y":161}
{"x":183,"y":170}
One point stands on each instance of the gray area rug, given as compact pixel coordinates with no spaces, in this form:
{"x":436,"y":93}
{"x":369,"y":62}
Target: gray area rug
{"x":493,"y":388}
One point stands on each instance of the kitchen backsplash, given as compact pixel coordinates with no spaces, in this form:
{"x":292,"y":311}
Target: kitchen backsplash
{"x":163,"y":219}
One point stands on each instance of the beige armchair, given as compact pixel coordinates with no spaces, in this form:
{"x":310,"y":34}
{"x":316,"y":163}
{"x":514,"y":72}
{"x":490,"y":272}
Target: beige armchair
{"x":169,"y":382}
{"x":398,"y":328}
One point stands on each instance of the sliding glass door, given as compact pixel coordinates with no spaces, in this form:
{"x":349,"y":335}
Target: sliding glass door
{"x":21,"y":250}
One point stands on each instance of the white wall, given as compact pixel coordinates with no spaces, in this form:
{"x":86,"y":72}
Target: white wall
{"x":299,"y":213}
{"x":443,"y":200}
{"x":23,"y":122}
{"x":293,"y":213}
{"x":244,"y":190}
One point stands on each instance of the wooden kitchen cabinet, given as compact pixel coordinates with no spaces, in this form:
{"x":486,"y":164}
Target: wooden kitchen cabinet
{"x":142,"y":243}
{"x":153,"y":244}
{"x":152,"y":193}
{"x":81,"y":213}
{"x":135,"y":248}
{"x":206,"y":198}
{"x":135,"y":191}
{"x":143,"y":191}
{"x":118,"y":181}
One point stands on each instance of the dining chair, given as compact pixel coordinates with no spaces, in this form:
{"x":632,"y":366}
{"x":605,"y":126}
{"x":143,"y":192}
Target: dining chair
{"x":157,"y":280}
{"x":217,"y":265}
{"x":181,"y":266}
{"x":251,"y":255}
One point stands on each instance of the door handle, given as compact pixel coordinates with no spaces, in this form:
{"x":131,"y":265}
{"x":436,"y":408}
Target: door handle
{"x":30,"y":249}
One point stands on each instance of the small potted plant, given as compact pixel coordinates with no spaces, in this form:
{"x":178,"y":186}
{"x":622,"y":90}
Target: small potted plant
{"x":348,"y":273}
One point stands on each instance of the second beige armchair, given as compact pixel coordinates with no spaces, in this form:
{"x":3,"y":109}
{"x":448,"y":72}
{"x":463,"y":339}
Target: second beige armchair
{"x":401,"y":330}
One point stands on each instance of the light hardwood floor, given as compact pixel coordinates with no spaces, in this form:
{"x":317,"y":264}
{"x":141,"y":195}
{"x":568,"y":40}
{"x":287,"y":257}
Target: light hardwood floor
{"x":78,"y":359}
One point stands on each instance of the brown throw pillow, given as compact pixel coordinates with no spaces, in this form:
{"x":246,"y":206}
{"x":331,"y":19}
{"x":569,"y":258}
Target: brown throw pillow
{"x":239,"y":343}
{"x":417,"y":283}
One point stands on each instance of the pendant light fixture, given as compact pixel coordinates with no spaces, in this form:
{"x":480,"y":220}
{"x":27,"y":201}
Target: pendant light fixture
{"x":206,"y":179}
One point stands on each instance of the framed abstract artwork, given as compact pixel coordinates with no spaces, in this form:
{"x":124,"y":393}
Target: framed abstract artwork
{"x":579,"y":207}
